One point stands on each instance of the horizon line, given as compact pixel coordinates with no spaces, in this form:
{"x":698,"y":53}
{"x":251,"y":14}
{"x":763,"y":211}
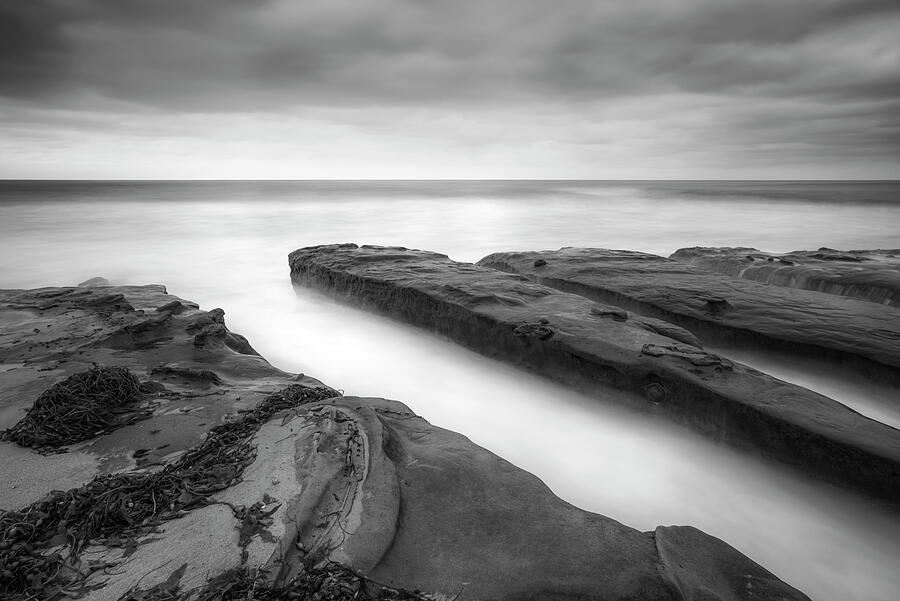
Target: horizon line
{"x":214,"y":180}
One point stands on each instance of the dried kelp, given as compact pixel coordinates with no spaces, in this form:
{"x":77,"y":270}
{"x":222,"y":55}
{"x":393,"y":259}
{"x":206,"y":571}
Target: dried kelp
{"x":331,"y":581}
{"x":39,"y":545}
{"x":255,"y":521}
{"x":80,"y":407}
{"x":327,"y":581}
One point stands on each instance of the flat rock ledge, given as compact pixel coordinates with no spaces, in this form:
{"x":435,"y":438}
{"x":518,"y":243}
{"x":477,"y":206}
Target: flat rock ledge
{"x":870,"y":275}
{"x":322,"y":479}
{"x":721,"y":309}
{"x":571,"y":339}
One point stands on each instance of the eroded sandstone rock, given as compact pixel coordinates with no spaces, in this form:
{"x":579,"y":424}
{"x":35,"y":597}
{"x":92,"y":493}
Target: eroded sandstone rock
{"x":722,"y":309}
{"x":308,"y":479}
{"x":486,"y":308}
{"x":49,"y":334}
{"x":870,"y":275}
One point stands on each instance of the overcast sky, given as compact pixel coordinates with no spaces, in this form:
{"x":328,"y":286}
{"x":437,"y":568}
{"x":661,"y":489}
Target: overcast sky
{"x":450,"y":89}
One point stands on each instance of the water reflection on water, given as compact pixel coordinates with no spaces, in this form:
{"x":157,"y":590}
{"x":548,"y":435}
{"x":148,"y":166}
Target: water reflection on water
{"x":227,"y":246}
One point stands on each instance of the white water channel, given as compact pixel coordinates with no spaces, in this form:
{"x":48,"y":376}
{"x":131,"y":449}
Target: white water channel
{"x":227,"y":247}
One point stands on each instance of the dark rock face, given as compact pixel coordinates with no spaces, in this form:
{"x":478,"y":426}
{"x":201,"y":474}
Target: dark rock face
{"x":361,"y":481}
{"x":691,"y":354}
{"x":870,"y":275}
{"x":659,"y":326}
{"x":499,"y":314}
{"x":696,"y":565}
{"x":722,"y":309}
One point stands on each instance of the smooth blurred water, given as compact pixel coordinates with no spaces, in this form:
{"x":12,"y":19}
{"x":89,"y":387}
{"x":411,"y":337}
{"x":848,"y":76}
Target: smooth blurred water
{"x":226,"y":245}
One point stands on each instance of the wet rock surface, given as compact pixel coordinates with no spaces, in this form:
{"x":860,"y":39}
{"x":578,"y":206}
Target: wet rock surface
{"x":721,"y":309}
{"x":499,"y":314}
{"x":870,"y":275}
{"x":693,"y":355}
{"x":270,"y":485}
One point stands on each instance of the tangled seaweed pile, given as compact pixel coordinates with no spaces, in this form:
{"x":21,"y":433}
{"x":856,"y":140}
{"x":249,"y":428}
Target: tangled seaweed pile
{"x":39,"y":545}
{"x":80,"y":407}
{"x":327,"y":581}
{"x":332,"y":581}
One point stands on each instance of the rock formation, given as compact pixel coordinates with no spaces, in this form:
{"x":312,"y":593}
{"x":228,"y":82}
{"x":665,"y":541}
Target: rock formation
{"x":571,"y":339}
{"x":241,"y":481}
{"x":871,"y":275}
{"x":722,"y":309}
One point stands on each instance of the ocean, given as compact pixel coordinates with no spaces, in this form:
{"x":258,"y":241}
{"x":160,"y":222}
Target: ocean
{"x":225,"y":244}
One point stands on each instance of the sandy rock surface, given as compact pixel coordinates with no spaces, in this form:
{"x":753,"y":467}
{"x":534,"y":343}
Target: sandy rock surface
{"x":870,"y":275}
{"x":202,"y":374}
{"x":720,"y":308}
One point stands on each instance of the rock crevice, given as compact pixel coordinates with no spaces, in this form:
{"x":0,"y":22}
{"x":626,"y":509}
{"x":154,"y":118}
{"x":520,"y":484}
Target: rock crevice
{"x":559,"y":335}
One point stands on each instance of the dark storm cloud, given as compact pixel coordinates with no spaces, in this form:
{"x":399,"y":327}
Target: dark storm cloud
{"x":215,"y":55}
{"x":49,"y":48}
{"x":31,"y":48}
{"x":747,"y":81}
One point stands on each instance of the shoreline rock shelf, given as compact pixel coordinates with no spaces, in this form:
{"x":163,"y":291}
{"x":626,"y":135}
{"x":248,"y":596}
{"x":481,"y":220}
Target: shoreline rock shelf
{"x":870,"y":275}
{"x":307,"y":481}
{"x":721,"y":309}
{"x":566,"y":337}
